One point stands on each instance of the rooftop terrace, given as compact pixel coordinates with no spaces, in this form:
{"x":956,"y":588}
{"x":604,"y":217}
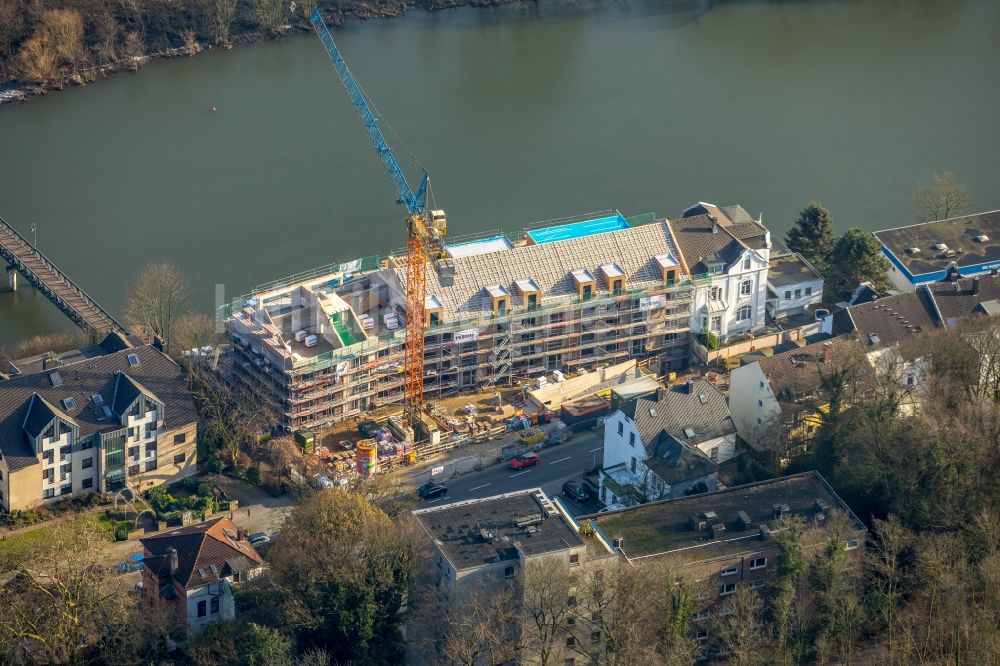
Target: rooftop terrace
{"x":929,"y":247}
{"x":663,"y":528}
{"x":475,"y":533}
{"x":791,"y":269}
{"x":560,"y":232}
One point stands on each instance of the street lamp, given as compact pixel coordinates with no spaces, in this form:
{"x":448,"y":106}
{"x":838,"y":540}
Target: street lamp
{"x":34,"y":234}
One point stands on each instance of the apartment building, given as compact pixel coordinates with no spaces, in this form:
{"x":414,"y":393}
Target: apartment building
{"x":329,"y":345}
{"x":733,"y":249}
{"x":88,"y":420}
{"x":725,"y":539}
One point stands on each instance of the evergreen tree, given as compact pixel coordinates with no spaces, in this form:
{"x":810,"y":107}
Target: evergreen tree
{"x":856,"y":258}
{"x":812,"y":236}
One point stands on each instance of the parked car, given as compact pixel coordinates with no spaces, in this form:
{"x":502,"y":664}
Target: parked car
{"x":258,"y":538}
{"x":525,"y":460}
{"x":575,"y":491}
{"x":430,"y":490}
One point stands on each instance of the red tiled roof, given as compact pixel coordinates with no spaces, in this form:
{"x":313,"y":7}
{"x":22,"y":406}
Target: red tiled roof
{"x":203,"y":551}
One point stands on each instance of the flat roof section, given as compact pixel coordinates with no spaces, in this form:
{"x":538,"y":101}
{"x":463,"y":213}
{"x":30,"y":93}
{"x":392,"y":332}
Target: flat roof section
{"x":968,"y":241}
{"x":578,"y":229}
{"x":482,"y":246}
{"x":475,"y":533}
{"x":791,"y":269}
{"x":662,"y":528}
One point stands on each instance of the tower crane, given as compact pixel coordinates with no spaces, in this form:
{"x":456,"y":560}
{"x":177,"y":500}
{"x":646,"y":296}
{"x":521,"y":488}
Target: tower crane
{"x":423,"y":238}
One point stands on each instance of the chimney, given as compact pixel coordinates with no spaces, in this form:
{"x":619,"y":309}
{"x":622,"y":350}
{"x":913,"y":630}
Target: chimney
{"x":690,"y":386}
{"x":715,"y":226}
{"x":975,"y":286}
{"x":661,"y":393}
{"x":172,"y":554}
{"x":994,"y":271}
{"x":827,"y":352}
{"x":158,"y":344}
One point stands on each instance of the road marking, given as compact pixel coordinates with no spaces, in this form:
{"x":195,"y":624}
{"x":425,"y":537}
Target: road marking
{"x":560,"y":460}
{"x":520,"y":473}
{"x":597,"y":449}
{"x":482,"y":486}
{"x":436,"y":499}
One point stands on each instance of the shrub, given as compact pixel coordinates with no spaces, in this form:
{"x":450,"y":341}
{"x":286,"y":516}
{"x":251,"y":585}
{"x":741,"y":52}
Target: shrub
{"x":121,"y":534}
{"x":709,"y":340}
{"x":253,"y":475}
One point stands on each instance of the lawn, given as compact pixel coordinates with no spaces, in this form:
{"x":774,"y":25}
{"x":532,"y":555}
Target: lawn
{"x":16,"y":545}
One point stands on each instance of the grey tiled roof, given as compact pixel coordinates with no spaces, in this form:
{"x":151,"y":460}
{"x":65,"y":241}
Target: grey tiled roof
{"x":675,"y":462}
{"x":81,"y":380}
{"x":550,"y":266}
{"x":704,"y":239}
{"x":703,"y":410}
{"x":798,"y":371}
{"x":895,"y":319}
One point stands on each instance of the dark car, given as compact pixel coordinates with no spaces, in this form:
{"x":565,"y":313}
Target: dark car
{"x":575,"y":491}
{"x":432,"y":490}
{"x":367,"y":429}
{"x":524,"y":460}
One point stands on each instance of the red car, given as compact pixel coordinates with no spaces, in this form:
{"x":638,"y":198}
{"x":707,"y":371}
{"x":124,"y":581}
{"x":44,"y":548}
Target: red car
{"x":524,"y":460}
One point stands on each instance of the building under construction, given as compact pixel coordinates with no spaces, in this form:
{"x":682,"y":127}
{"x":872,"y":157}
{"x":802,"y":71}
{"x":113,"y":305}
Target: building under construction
{"x":328,"y":345}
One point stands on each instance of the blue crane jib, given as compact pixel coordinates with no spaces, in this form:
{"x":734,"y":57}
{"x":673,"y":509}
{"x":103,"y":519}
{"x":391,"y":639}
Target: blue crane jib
{"x":415,"y":203}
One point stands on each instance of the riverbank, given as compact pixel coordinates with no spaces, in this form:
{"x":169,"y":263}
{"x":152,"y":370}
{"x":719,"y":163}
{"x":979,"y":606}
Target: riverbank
{"x":22,"y":91}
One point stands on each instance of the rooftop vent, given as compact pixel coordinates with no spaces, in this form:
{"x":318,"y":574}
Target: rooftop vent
{"x":764,"y":531}
{"x":981,"y":238}
{"x":702,"y":399}
{"x":940,"y":247}
{"x":913,"y":250}
{"x":487,"y":536}
{"x":821,"y":505}
{"x":718,"y":530}
{"x":528,"y":521}
{"x":780,"y":510}
{"x":743,"y":520}
{"x":873,"y":339}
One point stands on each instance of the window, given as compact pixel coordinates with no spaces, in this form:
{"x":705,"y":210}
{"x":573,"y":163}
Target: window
{"x":716,"y":269}
{"x":64,"y":452}
{"x":716,"y":293}
{"x":809,"y":291}
{"x":571,"y":601}
{"x":758,"y":563}
{"x":215,"y":605}
{"x":150,"y":448}
{"x":634,"y":464}
{"x":574,"y":559}
{"x":570,"y":621}
{"x":621,"y":428}
{"x":714,"y":454}
{"x":86,"y":444}
{"x":746,"y":263}
{"x":66,"y":490}
{"x":69,"y":403}
{"x":181,"y":438}
{"x":702,"y":635}
{"x":788,"y":295}
{"x":717,"y":324}
{"x":744,"y":313}
{"x":179,"y":458}
{"x":570,"y":641}
{"x":730,"y":571}
{"x":49,"y":475}
{"x":631,"y":438}
{"x":595,"y":616}
{"x":151,"y":465}
{"x":760,"y":403}
{"x":88,"y":483}
{"x":508,"y":572}
{"x":48,"y":493}
{"x":762,"y":385}
{"x":595,"y":637}
{"x":133,"y":469}
{"x":798,"y":293}
{"x":133,"y":452}
{"x":754,"y":584}
{"x":202,"y":607}
{"x":851,"y":544}
{"x":87,"y":463}
{"x":49,"y":456}
{"x":727,"y":589}
{"x":746,"y":288}
{"x":700,"y":615}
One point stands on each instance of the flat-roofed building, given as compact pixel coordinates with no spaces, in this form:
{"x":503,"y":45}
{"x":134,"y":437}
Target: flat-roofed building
{"x":923,"y":253}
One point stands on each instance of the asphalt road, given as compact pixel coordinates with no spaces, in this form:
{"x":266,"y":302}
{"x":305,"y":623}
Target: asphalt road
{"x":561,"y":463}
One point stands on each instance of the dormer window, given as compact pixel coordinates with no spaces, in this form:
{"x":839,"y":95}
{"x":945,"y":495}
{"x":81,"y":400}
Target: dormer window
{"x":716,"y":269}
{"x":668,"y":267}
{"x":500,"y":298}
{"x":433,"y":310}
{"x":615,"y":276}
{"x":586,"y":284}
{"x":531,"y":293}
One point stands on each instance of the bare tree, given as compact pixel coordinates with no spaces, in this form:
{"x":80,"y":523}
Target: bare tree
{"x":738,"y":627}
{"x":549,"y":601}
{"x":194,"y":330}
{"x":232,"y":416}
{"x":157,"y":299}
{"x":480,"y":627}
{"x":268,"y":13}
{"x":943,"y":199}
{"x":65,"y":30}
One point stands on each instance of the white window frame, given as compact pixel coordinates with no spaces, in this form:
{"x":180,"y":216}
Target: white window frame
{"x":746,"y":287}
{"x":747,"y":263}
{"x":851,"y":544}
{"x":754,"y":563}
{"x":700,"y":615}
{"x":744,"y":313}
{"x":730,"y":571}
{"x":754,"y":584}
{"x":727,"y":589}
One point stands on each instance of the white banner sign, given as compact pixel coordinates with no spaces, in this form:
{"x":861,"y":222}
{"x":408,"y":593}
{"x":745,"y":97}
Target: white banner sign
{"x":467,"y":335}
{"x":647,"y":303}
{"x":437,"y":470}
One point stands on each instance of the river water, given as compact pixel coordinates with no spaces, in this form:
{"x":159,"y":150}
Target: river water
{"x":522,"y":114}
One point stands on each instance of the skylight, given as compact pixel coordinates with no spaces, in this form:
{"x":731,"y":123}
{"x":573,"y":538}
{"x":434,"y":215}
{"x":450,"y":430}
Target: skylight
{"x":56,"y":379}
{"x":133,"y":360}
{"x":69,"y":403}
{"x":106,"y":410}
{"x":97,"y":398}
{"x":689,"y":432}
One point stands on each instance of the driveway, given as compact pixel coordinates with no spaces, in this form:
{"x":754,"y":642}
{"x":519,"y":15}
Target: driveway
{"x":259,"y":511}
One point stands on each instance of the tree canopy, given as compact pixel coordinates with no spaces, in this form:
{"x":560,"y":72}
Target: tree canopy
{"x":856,"y":257}
{"x":812,"y":236}
{"x":942,"y":199}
